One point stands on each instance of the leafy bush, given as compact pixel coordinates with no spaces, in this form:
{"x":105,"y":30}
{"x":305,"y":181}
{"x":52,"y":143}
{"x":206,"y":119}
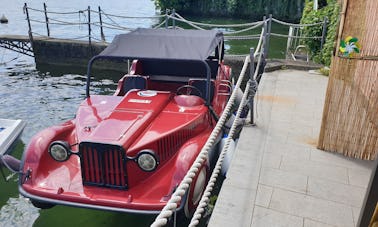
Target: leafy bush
{"x":310,"y":16}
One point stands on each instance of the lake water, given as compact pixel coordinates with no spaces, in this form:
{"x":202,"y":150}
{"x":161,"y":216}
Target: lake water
{"x":49,"y":97}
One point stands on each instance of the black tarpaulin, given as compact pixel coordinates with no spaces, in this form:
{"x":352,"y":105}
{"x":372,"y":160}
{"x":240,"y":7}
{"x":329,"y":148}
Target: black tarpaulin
{"x":164,"y":44}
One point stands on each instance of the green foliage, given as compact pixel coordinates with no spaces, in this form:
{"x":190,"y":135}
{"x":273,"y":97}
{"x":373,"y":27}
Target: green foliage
{"x":310,"y":16}
{"x":288,"y":10}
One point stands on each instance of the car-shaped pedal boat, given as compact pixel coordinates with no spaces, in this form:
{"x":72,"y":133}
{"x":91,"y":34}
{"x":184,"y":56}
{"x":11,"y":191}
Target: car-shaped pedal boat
{"x":129,"y":151}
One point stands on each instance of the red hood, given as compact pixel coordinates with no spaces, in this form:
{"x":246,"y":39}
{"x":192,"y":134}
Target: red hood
{"x":118,"y":120}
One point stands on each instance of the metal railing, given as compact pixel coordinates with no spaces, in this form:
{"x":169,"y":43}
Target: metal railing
{"x":108,"y":24}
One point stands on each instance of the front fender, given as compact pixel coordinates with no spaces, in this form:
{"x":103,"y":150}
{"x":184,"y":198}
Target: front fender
{"x":35,"y":154}
{"x":186,"y":156}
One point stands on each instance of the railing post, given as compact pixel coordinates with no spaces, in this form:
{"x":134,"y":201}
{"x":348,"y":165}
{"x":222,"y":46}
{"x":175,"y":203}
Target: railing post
{"x":264,"y":45}
{"x":89,"y":26}
{"x":324,"y":32}
{"x":252,"y":84}
{"x":268,"y":34}
{"x":166,"y":18}
{"x":101,"y":28}
{"x":47,"y":20}
{"x":173,"y":19}
{"x":30,"y":29}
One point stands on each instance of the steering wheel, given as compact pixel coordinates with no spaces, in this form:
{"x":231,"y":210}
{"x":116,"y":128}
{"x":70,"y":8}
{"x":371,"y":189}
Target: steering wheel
{"x":189,"y":89}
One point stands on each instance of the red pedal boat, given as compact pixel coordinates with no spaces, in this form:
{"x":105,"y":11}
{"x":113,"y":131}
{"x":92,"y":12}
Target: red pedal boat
{"x":129,"y":151}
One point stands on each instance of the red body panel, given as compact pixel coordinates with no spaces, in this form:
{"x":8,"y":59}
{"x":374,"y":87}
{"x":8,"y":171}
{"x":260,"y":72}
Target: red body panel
{"x":154,"y":120}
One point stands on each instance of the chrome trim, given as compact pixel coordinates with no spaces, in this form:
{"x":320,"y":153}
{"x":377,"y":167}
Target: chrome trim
{"x":96,"y":207}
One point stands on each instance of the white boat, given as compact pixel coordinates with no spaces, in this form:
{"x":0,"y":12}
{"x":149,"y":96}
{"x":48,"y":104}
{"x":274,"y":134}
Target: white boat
{"x":10,"y":130}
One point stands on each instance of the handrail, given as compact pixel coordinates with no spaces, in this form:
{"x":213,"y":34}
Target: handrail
{"x":172,"y":203}
{"x":170,"y":15}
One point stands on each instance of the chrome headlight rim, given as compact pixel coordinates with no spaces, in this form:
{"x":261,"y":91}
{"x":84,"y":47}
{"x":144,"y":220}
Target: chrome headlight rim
{"x":60,"y":145}
{"x":149,"y":154}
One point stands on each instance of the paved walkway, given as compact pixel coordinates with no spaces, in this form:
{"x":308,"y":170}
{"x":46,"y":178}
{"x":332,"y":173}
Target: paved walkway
{"x":277,"y":176}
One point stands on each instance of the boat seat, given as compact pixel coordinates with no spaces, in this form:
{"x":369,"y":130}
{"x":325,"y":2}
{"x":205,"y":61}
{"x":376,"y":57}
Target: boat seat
{"x":128,"y":82}
{"x":201,"y":85}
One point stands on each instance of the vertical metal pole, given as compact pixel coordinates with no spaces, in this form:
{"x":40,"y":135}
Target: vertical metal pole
{"x":252,"y":84}
{"x":101,"y":28}
{"x":89,"y":26}
{"x":264,"y":37}
{"x":324,"y":32}
{"x":30,"y":29}
{"x":371,"y":199}
{"x":173,"y":19}
{"x":166,"y":18}
{"x":268,"y":34}
{"x":47,"y":20}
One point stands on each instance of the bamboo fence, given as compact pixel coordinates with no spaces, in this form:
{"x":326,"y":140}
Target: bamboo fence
{"x":350,"y":116}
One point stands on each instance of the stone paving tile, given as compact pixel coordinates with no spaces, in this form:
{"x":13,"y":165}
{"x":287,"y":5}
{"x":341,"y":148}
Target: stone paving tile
{"x":356,"y":214}
{"x":316,"y":169}
{"x":264,"y":194}
{"x":239,"y":206}
{"x":320,"y":210}
{"x":271,"y":160}
{"x":312,"y":223}
{"x":283,"y":179}
{"x":341,"y":193}
{"x":359,"y":177}
{"x":332,"y":158}
{"x":263,"y":217}
{"x":294,"y":151}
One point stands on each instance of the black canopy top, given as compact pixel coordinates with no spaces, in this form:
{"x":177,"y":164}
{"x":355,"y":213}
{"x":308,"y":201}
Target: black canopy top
{"x":165,"y":44}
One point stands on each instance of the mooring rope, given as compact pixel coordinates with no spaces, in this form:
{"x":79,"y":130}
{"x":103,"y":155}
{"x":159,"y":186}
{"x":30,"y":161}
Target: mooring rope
{"x":219,"y":25}
{"x":293,"y":36}
{"x":246,"y":29}
{"x":252,"y":88}
{"x":176,"y":197}
{"x":52,"y":12}
{"x":131,"y":17}
{"x":242,"y":37}
{"x":161,"y":24}
{"x":295,"y":25}
{"x":179,"y":18}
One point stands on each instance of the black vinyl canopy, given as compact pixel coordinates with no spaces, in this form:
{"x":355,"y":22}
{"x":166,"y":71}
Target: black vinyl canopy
{"x":171,"y":44}
{"x":177,"y":46}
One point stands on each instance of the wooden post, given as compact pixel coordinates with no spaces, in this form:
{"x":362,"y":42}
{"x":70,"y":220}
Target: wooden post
{"x":324,"y":32}
{"x":101,"y":28}
{"x":252,"y":83}
{"x":89,"y":26}
{"x":30,"y":29}
{"x":47,"y":20}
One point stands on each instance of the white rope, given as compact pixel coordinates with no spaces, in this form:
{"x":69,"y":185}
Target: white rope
{"x":131,"y":17}
{"x":295,"y":25}
{"x":218,"y":25}
{"x":179,"y":18}
{"x":295,"y":37}
{"x":52,"y":12}
{"x":242,"y":37}
{"x":206,"y":195}
{"x":171,"y":205}
{"x":161,"y":24}
{"x":246,"y":29}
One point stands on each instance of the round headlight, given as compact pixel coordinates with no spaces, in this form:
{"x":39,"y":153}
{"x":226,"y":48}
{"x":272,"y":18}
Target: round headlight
{"x":59,"y":151}
{"x":147,"y":160}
